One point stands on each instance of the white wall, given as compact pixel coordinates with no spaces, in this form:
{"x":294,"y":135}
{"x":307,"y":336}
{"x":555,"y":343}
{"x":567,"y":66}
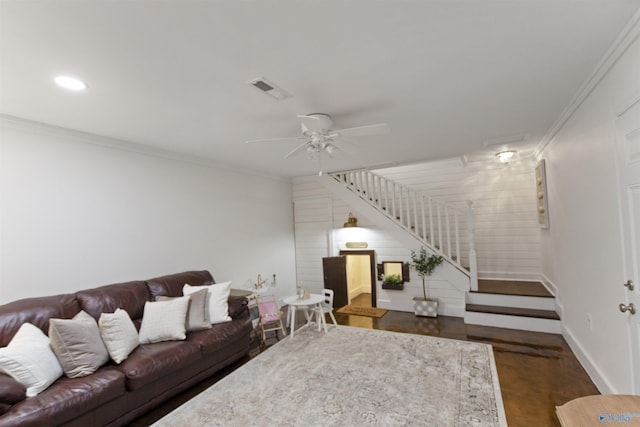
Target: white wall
{"x":76,"y":212}
{"x":582,"y":253}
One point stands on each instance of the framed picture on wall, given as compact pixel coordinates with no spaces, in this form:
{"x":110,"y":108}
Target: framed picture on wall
{"x":541,"y":195}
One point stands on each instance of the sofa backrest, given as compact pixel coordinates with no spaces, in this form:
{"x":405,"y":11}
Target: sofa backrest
{"x":129,"y":296}
{"x":37,"y":311}
{"x":171,"y":285}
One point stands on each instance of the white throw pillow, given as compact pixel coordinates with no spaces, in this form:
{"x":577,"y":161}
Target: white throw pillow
{"x":29,"y":359}
{"x":164,"y":320}
{"x":218,"y":300}
{"x":78,"y":345}
{"x":119,"y":334}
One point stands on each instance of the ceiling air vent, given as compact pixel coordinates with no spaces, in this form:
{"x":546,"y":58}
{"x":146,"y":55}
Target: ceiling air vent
{"x":269,"y":88}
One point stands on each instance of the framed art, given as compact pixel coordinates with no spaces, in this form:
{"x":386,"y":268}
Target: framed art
{"x":541,"y":195}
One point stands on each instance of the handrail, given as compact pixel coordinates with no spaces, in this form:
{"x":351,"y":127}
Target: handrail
{"x":434,"y":222}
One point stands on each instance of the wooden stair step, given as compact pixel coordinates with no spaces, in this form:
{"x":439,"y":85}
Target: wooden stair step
{"x":513,"y":287}
{"x":513,"y":311}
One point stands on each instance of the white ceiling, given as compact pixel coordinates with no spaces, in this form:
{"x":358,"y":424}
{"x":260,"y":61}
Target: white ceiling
{"x":448,"y":76}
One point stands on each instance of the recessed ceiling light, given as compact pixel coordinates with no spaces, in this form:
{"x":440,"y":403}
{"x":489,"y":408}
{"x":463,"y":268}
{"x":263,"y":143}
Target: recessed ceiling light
{"x":70,"y":83}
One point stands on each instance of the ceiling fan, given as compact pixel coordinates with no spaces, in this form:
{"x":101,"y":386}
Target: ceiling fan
{"x":318,"y":135}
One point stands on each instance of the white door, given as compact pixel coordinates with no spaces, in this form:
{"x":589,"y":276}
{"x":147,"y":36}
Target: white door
{"x":628,"y":147}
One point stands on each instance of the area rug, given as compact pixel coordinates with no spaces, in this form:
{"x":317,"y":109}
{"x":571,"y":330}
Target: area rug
{"x":354,"y":377}
{"x":362,"y":311}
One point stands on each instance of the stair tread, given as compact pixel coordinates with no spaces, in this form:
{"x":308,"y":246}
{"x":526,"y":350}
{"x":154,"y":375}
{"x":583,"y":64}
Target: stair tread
{"x":513,"y":287}
{"x":513,"y":311}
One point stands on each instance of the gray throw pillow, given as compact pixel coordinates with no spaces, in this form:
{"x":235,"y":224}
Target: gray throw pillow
{"x":78,"y":345}
{"x":198,"y":311}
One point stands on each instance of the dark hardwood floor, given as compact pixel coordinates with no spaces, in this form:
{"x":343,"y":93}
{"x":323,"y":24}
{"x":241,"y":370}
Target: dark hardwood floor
{"x":537,"y":371}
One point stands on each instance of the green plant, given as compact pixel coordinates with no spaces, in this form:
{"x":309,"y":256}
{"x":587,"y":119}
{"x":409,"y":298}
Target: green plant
{"x":425,"y":266}
{"x":391,"y":279}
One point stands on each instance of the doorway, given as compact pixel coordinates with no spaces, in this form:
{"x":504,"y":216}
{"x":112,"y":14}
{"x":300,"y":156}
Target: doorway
{"x":361,"y":277}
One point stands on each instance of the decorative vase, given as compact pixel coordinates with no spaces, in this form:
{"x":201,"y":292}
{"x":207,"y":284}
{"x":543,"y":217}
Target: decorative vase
{"x":425,"y":307}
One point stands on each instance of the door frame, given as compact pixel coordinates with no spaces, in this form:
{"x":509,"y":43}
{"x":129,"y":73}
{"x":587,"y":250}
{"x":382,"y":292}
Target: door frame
{"x":372,"y":267}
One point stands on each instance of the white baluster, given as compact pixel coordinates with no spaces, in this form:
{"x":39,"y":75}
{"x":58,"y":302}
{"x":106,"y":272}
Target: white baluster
{"x":448,"y":225}
{"x":439,"y":227}
{"x":408,"y":202}
{"x":386,"y":197}
{"x":365,"y":179}
{"x":393,"y":200}
{"x":432,"y":238}
{"x":400,"y":208}
{"x":424,"y":223}
{"x":455,"y":219}
{"x":415,"y":214}
{"x":473,"y":263}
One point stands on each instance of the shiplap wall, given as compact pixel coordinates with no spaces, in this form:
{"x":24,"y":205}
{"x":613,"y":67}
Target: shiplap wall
{"x":319,"y":217}
{"x":506,"y":230}
{"x":312,"y":230}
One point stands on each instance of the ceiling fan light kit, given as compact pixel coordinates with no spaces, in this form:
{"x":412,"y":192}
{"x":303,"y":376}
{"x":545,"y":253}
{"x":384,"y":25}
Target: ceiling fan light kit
{"x":318,"y":135}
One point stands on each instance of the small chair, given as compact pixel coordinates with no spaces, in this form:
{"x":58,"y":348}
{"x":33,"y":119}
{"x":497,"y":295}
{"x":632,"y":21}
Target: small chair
{"x":327,"y":306}
{"x":270,"y":315}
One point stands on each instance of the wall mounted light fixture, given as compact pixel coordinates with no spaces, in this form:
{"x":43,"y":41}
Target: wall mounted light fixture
{"x":352,"y":221}
{"x":505,"y":156}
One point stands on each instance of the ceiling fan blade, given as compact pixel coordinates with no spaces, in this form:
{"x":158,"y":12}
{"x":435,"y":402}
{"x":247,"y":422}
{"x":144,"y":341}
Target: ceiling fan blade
{"x":379,"y":129}
{"x":295,"y":150}
{"x":284,"y":139}
{"x":344,"y":147}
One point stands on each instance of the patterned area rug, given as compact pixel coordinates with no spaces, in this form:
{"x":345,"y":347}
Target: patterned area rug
{"x":354,"y":377}
{"x":362,"y":311}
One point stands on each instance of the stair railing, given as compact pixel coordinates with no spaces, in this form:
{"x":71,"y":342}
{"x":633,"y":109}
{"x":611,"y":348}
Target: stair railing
{"x":434,"y":222}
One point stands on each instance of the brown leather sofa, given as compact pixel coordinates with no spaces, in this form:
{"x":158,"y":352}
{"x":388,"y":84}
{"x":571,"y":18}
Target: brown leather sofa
{"x":117,"y":394}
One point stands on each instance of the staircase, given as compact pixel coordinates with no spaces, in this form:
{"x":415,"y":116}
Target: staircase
{"x":439,"y":226}
{"x":511,"y":304}
{"x":447,"y":230}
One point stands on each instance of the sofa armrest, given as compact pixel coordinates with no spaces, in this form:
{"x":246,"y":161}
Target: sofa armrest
{"x":238,"y":307}
{"x":11,"y":392}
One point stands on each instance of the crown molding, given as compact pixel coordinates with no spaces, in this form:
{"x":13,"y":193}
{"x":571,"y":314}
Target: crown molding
{"x":30,"y":126}
{"x":627,"y":36}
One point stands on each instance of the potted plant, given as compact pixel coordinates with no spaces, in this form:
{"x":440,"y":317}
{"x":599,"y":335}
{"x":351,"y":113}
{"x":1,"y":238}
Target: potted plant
{"x":392,"y":281}
{"x":425,"y":265}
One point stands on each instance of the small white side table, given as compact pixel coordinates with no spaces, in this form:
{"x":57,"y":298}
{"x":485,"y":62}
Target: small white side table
{"x":294,"y":303}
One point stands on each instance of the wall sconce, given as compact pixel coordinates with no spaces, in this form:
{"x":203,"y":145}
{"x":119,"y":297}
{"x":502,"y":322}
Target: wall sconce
{"x":505,"y":156}
{"x":352,"y":221}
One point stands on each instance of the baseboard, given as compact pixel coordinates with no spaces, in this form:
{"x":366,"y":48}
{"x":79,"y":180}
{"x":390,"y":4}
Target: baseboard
{"x":453,"y":311}
{"x":407,"y":306}
{"x":551,"y":287}
{"x":604,"y":386}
